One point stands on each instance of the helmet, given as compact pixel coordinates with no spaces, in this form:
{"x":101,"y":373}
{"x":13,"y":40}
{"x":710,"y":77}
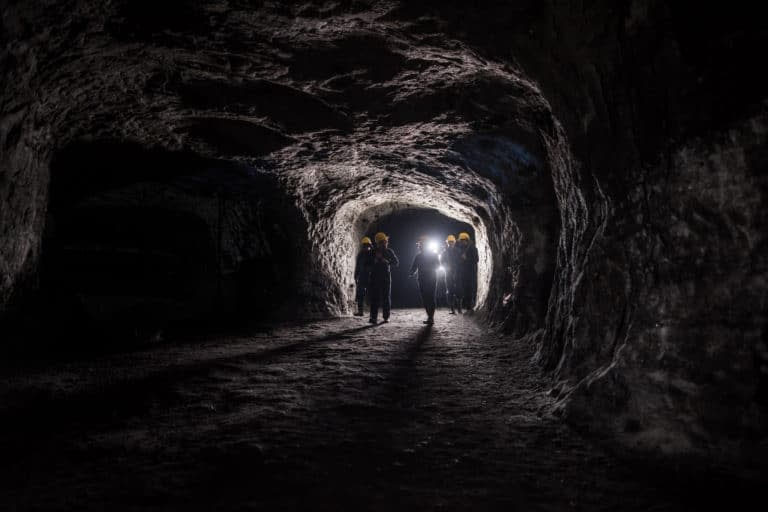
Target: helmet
{"x":381,"y":237}
{"x":464,"y":236}
{"x":450,"y":238}
{"x":423,"y":239}
{"x":366,"y":240}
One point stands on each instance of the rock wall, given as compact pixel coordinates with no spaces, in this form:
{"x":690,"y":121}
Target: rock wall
{"x":656,"y":325}
{"x":683,"y":361}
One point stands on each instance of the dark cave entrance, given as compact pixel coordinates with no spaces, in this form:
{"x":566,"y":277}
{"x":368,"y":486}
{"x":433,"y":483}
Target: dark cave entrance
{"x":404,"y":227}
{"x":140,"y":241}
{"x":120,"y":252}
{"x":117,"y":266}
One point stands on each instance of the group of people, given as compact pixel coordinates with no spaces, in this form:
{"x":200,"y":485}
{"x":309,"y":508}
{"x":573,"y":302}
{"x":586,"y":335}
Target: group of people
{"x":456,"y":264}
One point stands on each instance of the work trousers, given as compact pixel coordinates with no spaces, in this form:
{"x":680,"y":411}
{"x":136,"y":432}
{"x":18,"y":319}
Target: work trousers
{"x":428,"y":289}
{"x":361,"y":287}
{"x":380,"y":296}
{"x":450,"y":289}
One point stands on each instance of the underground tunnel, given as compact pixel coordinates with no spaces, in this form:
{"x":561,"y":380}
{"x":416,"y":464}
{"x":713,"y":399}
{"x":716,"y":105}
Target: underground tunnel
{"x":183,"y":192}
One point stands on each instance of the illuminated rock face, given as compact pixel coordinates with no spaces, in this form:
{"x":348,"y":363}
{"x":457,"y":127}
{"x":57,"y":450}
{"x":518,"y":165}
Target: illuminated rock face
{"x":229,"y":154}
{"x":277,"y":138}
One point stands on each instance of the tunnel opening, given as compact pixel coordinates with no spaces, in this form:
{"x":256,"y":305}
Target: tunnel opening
{"x":512,"y":214}
{"x":141,"y":243}
{"x":406,"y":214}
{"x":121,"y":255}
{"x":125,"y":269}
{"x":404,"y":227}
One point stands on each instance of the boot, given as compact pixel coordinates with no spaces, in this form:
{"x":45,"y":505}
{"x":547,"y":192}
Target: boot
{"x":359,"y":312}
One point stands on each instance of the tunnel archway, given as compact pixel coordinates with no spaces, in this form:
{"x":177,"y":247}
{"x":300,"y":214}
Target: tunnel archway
{"x":354,"y":218}
{"x":512,"y":186}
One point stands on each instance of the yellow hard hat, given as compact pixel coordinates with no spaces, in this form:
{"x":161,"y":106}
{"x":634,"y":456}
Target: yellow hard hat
{"x":463,"y":236}
{"x":381,"y":236}
{"x":366,"y":240}
{"x":450,"y":238}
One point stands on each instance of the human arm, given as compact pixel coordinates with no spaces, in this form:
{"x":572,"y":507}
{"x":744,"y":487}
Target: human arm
{"x":414,"y":266}
{"x":392,"y":258}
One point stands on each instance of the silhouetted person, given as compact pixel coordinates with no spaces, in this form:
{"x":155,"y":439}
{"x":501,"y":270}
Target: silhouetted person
{"x":467,"y":270}
{"x":380,"y":288}
{"x":426,"y":264}
{"x":449,"y":262}
{"x":362,"y":273}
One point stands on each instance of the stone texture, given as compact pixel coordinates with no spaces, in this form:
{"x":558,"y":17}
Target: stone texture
{"x":609,"y":154}
{"x":328,"y":415}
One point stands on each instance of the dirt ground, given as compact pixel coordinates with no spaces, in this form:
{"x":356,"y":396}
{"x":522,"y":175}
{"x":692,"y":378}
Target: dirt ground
{"x":330,"y":415}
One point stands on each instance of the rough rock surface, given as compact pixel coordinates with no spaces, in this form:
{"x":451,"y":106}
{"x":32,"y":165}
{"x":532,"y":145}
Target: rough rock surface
{"x":322,"y":416}
{"x":609,"y":154}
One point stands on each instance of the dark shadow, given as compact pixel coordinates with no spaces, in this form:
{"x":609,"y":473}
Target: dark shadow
{"x":398,"y":381}
{"x":35,"y":410}
{"x":121,"y":266}
{"x":421,"y":337}
{"x":298,"y":346}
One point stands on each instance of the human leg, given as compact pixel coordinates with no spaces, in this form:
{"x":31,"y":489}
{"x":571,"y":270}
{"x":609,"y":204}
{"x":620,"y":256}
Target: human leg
{"x":374,"y":296}
{"x":360,"y":297}
{"x":386,"y":299}
{"x":430,"y":299}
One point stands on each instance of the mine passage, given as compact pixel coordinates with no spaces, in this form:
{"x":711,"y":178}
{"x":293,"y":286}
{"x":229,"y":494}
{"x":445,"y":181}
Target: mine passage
{"x":199,"y":201}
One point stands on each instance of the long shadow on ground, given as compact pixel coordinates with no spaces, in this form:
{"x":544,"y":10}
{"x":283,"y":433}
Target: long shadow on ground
{"x":37,"y":410}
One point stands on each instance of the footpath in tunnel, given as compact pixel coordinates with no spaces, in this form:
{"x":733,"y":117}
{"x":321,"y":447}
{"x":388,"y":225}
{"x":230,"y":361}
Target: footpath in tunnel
{"x":327,"y":415}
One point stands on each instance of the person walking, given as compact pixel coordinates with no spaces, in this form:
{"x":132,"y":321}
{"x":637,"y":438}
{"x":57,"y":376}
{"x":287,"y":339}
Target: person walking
{"x":449,"y":264}
{"x":381,"y":259}
{"x":362,"y":273}
{"x":467,"y":271}
{"x":425,"y":265}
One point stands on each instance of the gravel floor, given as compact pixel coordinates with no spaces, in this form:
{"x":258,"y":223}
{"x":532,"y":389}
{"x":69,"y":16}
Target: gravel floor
{"x":331,"y":415}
